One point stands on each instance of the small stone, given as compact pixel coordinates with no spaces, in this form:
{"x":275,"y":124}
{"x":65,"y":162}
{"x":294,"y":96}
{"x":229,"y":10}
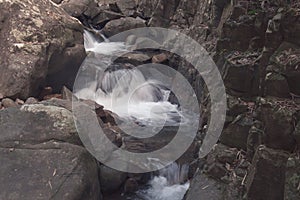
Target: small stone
{"x":1,"y":96}
{"x":160,"y":58}
{"x":47,"y":97}
{"x":19,"y":102}
{"x":31,"y":100}
{"x":7,"y":103}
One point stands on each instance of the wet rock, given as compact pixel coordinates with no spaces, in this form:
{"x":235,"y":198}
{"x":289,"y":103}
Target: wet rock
{"x":7,"y":103}
{"x":266,"y":178}
{"x":111,"y":179}
{"x":38,"y":45}
{"x":119,"y":25}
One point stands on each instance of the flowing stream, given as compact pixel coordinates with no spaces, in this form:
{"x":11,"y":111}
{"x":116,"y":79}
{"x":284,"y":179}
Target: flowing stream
{"x":132,"y":96}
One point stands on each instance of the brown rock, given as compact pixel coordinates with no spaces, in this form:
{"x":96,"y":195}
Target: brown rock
{"x":31,"y":100}
{"x":7,"y":103}
{"x":160,"y":58}
{"x":19,"y":102}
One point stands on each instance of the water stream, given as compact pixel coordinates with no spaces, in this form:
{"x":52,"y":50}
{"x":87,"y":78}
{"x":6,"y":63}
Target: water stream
{"x":132,"y":96}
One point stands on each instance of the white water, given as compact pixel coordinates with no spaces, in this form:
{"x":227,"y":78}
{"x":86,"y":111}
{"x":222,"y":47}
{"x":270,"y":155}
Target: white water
{"x":168,"y":185}
{"x":127,"y":92}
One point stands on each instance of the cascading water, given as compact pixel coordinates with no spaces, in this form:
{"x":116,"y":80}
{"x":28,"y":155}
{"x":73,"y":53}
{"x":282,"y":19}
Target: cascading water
{"x":127,"y":92}
{"x":132,"y":96}
{"x":168,"y":185}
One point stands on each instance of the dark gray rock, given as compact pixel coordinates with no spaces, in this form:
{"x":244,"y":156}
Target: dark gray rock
{"x":266,"y":178}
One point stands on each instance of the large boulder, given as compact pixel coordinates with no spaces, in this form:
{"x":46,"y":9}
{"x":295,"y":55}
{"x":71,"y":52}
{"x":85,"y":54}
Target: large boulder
{"x":37,"y":39}
{"x":42,"y":156}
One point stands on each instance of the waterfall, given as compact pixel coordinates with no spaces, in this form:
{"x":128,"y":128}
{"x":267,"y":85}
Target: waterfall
{"x":126,"y":92}
{"x":168,"y":185}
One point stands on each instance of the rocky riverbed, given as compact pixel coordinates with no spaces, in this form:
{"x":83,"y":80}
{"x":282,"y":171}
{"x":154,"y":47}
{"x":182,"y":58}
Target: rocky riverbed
{"x":255,"y":45}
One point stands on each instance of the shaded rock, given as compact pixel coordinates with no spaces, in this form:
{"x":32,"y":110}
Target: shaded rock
{"x":266,"y":178}
{"x":286,"y":61}
{"x":292,"y":181}
{"x":7,"y":103}
{"x":119,"y":25}
{"x":47,"y":43}
{"x":279,"y":117}
{"x":236,"y":133}
{"x":240,"y":74}
{"x":57,"y":1}
{"x":105,"y":16}
{"x":48,"y":170}
{"x":277,"y":86}
{"x":111,"y":179}
{"x":131,"y":185}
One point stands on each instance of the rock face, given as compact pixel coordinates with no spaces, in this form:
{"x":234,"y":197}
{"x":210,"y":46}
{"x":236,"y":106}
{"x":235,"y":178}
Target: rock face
{"x":42,"y":156}
{"x":38,"y":40}
{"x":266,"y":178}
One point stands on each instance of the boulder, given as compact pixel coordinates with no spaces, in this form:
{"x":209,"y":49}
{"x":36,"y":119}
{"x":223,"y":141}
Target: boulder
{"x":266,"y":178}
{"x":49,"y":170}
{"x":119,"y":25}
{"x":42,"y":156}
{"x":47,"y":43}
